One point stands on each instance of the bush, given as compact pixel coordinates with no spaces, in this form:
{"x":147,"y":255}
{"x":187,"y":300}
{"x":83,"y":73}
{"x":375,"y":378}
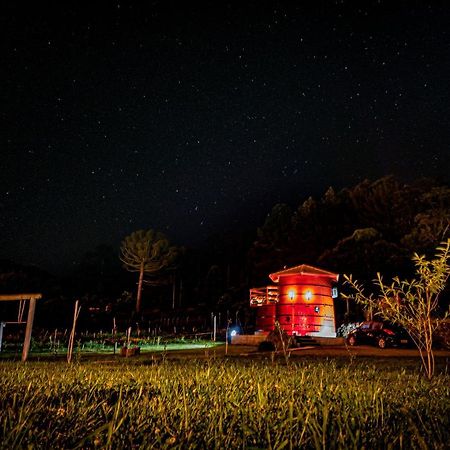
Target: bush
{"x":266,"y":346}
{"x":442,"y":335}
{"x":280,"y":339}
{"x":345,"y":329}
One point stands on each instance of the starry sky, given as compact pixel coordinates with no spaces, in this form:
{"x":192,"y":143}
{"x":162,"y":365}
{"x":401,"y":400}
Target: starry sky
{"x":195,"y":120}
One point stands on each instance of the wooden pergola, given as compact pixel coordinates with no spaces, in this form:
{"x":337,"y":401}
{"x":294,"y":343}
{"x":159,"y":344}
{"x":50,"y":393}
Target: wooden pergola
{"x":31,"y":308}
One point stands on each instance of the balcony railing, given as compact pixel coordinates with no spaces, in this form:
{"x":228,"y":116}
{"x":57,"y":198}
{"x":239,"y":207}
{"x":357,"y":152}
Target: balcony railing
{"x":263,"y":296}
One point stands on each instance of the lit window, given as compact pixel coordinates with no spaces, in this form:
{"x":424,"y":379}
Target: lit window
{"x":308,"y":295}
{"x":291,"y":294}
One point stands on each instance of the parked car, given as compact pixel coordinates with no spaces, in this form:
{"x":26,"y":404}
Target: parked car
{"x":381,"y":334}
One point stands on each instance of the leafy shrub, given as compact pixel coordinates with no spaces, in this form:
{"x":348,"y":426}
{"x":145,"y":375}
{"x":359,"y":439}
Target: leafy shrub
{"x":266,"y":346}
{"x":442,"y":334}
{"x":345,"y":329}
{"x":280,"y":339}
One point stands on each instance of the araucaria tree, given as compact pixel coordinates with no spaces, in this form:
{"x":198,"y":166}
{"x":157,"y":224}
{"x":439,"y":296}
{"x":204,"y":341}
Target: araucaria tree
{"x":146,"y":252}
{"x":412,"y":303}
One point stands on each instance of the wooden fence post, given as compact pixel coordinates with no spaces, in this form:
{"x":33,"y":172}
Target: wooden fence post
{"x":30,"y":318}
{"x":72,"y":333}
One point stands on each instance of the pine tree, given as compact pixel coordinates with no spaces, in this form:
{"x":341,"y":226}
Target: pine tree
{"x":146,"y":252}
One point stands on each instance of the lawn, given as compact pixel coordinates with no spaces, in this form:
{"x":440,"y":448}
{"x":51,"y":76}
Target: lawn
{"x":45,"y":349}
{"x":222,"y":403}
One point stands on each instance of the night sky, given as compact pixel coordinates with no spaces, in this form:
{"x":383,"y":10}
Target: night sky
{"x":197,"y":120}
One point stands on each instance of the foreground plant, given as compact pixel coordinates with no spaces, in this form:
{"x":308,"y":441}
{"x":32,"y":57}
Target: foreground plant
{"x":412,"y":304}
{"x":190,"y":404}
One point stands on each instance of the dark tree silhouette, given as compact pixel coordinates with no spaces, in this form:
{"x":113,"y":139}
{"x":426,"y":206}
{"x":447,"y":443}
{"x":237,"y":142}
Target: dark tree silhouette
{"x":146,"y":252}
{"x":371,"y":226}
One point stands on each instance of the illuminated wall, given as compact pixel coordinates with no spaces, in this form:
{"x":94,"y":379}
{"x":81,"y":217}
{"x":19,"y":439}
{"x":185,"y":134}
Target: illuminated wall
{"x":305,"y":305}
{"x":302,"y":302}
{"x":265,"y":318}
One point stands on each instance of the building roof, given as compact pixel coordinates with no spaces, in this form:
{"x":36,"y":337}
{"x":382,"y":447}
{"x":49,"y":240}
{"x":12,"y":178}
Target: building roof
{"x":303,"y":269}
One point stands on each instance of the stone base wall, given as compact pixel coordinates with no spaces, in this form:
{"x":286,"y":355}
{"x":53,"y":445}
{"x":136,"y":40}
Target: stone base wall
{"x":248,"y":339}
{"x":256,"y":339}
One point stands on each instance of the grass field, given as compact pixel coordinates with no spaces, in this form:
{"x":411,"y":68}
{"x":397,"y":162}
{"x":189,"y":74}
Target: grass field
{"x":52,"y":349}
{"x":221,"y":403}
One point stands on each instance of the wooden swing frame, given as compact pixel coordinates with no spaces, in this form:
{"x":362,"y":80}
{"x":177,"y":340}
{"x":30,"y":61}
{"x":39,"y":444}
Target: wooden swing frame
{"x":30,"y":318}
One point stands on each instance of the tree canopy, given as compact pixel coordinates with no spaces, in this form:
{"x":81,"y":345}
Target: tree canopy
{"x":146,"y":252}
{"x":370,"y":227}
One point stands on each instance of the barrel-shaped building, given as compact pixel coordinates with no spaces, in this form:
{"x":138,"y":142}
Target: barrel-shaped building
{"x":301,"y":302}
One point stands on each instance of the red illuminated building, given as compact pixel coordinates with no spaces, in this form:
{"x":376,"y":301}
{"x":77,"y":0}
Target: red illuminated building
{"x":302,"y":302}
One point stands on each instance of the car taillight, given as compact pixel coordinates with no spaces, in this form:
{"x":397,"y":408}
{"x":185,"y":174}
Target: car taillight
{"x":389,"y":332}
